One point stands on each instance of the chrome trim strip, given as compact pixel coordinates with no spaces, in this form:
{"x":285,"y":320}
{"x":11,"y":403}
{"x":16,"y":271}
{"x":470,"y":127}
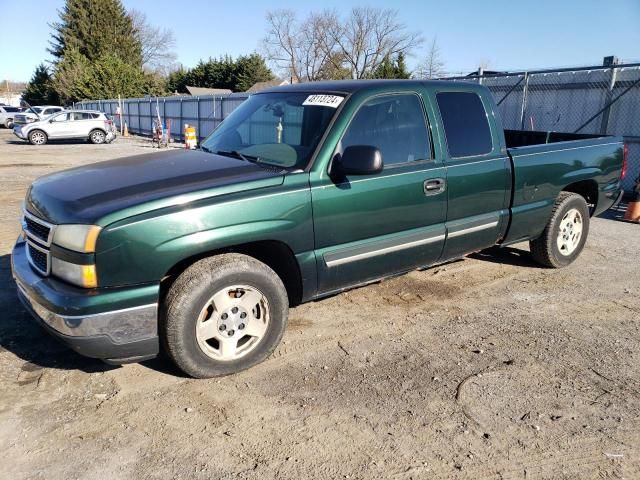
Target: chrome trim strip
{"x":382,"y":251}
{"x":122,"y":326}
{"x":477,"y":228}
{"x":50,"y":226}
{"x":32,"y":263}
{"x":515,"y":153}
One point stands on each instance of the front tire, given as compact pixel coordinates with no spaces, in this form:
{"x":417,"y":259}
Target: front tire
{"x":37,"y":137}
{"x":565,"y":235}
{"x":8,"y":123}
{"x":224,"y":314}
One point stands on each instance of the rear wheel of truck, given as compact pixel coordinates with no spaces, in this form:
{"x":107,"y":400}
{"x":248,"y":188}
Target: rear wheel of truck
{"x":564,"y":236}
{"x":37,"y":137}
{"x":224,"y":314}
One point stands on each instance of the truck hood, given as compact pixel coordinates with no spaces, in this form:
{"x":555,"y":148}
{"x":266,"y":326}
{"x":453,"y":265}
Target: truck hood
{"x":85,"y":194}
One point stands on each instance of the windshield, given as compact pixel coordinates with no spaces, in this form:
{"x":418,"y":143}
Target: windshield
{"x":11,"y":109}
{"x":281,"y":129}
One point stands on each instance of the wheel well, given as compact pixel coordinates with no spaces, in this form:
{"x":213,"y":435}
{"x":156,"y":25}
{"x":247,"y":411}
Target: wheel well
{"x":97,"y":129}
{"x":277,"y":255}
{"x":588,"y":189}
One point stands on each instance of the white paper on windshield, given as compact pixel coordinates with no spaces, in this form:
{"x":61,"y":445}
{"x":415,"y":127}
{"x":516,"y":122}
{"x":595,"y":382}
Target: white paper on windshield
{"x":332,"y":101}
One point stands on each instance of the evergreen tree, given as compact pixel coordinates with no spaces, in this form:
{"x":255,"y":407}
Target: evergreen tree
{"x":250,"y":69}
{"x":224,"y":72}
{"x":401,"y":67}
{"x":40,"y":90}
{"x":388,"y":68}
{"x":96,"y":28}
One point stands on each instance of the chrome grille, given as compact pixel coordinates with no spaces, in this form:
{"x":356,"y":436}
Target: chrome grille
{"x":37,"y":229}
{"x":39,"y":236}
{"x":38,"y":258}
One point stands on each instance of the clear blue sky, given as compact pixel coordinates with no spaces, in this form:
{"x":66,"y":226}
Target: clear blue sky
{"x":509,"y":34}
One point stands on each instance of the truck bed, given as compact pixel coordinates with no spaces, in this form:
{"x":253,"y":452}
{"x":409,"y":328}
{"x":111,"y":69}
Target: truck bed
{"x":546,"y":163}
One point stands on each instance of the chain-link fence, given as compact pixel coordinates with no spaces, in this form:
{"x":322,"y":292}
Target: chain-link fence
{"x":596,"y":100}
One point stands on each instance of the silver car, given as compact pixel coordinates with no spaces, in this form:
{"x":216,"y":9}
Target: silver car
{"x":33,"y":114}
{"x":7,"y":113}
{"x":89,"y":125}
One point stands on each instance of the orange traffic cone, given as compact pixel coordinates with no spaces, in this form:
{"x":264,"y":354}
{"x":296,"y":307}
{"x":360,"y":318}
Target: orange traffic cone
{"x":126,"y":130}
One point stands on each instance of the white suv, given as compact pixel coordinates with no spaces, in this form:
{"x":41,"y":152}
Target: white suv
{"x":70,"y":124}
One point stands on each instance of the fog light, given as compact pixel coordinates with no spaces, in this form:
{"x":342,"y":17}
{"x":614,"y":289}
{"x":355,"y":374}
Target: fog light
{"x":80,"y":275}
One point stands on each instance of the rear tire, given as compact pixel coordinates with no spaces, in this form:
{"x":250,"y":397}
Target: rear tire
{"x":564,"y":237}
{"x":223,"y":314}
{"x":37,"y":137}
{"x":97,"y":137}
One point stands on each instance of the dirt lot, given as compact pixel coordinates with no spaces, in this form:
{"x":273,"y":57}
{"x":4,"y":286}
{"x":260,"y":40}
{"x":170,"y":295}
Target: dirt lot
{"x":485,"y":368}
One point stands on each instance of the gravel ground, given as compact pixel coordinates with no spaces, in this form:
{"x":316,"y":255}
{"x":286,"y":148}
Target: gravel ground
{"x":490,"y":367}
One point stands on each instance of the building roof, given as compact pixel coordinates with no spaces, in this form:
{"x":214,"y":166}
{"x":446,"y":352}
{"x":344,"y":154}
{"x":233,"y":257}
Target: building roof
{"x":198,"y":91}
{"x":259,"y":86}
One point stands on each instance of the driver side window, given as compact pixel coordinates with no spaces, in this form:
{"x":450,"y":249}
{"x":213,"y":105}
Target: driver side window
{"x":395,"y":125}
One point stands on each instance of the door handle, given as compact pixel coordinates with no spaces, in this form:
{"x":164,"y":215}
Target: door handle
{"x":434,"y":186}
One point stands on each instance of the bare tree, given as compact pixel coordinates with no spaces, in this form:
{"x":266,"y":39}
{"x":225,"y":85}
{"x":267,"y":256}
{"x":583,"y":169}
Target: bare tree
{"x":433,"y":66}
{"x":369,"y":35}
{"x":326,"y":43}
{"x":301,"y":49}
{"x":157,"y":43}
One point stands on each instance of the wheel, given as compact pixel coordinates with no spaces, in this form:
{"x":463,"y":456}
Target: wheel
{"x":37,"y":137}
{"x":97,"y":137}
{"x":8,"y":123}
{"x":564,"y":236}
{"x":223,"y":314}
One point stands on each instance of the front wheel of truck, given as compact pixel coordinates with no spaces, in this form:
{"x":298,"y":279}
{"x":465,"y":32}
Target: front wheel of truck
{"x":224,"y":314}
{"x":564,"y":236}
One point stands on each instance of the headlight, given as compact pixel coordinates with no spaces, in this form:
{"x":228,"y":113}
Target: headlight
{"x":80,"y":275}
{"x":79,"y":238}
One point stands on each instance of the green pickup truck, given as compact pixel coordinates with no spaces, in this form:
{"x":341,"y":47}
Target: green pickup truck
{"x":302,"y":192}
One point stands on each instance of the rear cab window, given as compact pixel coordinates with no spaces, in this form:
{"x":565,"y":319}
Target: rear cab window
{"x":465,"y":123}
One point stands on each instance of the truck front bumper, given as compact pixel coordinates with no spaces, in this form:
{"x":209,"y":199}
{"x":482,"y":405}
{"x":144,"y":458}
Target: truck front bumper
{"x":118,"y":325}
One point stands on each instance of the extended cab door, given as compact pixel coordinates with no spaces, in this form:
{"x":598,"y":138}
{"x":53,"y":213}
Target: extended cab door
{"x":478,"y":170}
{"x":370,"y":226}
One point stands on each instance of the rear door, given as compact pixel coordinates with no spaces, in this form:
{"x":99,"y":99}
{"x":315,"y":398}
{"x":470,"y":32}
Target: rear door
{"x":370,"y":226}
{"x":478,"y":171}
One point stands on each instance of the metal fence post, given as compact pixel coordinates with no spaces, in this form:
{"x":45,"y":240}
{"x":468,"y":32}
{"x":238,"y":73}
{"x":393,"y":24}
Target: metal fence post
{"x":604,"y":125}
{"x":180,"y":127}
{"x":199,"y":134}
{"x":525,"y":91}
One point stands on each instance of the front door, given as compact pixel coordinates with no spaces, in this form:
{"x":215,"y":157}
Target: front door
{"x":59,"y":126}
{"x":367,"y":227}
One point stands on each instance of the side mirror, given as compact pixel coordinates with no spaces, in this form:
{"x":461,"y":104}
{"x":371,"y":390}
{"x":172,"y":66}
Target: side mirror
{"x":360,"y":160}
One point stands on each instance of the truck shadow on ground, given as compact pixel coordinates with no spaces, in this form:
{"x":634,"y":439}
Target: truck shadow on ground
{"x":21,"y":335}
{"x":506,"y":255}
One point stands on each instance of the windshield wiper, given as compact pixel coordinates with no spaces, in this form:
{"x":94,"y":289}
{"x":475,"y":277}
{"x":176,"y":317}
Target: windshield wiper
{"x":241,"y":156}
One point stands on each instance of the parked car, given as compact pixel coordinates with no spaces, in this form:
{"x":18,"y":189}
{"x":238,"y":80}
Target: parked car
{"x":302,"y":192}
{"x":6,"y":115}
{"x":94,"y":126}
{"x":33,"y":114}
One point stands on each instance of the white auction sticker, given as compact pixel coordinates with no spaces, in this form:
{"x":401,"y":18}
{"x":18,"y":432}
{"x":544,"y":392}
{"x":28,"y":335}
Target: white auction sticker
{"x":332,"y":101}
